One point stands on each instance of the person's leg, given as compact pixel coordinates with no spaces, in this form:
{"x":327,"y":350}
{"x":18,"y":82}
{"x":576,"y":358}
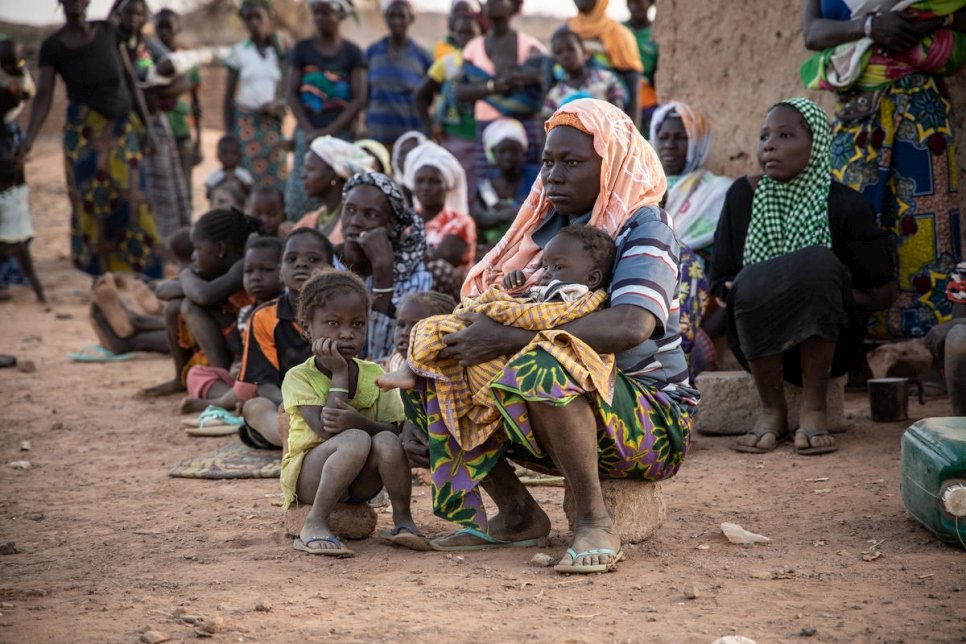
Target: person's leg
{"x":955,"y":365}
{"x":218,"y":394}
{"x":388,"y":466}
{"x":569,"y":436}
{"x":772,"y":422}
{"x":812,"y":432}
{"x":151,"y":341}
{"x":206,"y":331}
{"x":261,"y":414}
{"x":180,"y":356}
{"x":22,"y":252}
{"x":327,"y":472}
{"x":107,"y":298}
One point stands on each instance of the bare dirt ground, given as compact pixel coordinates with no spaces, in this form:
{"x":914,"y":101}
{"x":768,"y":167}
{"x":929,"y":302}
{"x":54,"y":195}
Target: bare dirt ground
{"x":108,"y":545}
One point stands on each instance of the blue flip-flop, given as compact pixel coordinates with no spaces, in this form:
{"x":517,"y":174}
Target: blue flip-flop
{"x":490,"y":542}
{"x":406,"y":537}
{"x":97,"y":353}
{"x":572,"y":569}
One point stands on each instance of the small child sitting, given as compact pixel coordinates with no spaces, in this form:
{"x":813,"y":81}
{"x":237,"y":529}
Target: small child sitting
{"x":413,"y":308}
{"x":16,"y":227}
{"x":220,"y":387}
{"x":274,"y":341}
{"x":341,"y":422}
{"x":268,"y":204}
{"x":229,"y":156}
{"x":576,"y":265}
{"x":947,"y":342}
{"x":576,"y":79}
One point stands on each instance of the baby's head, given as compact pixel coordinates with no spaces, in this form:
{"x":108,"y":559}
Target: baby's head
{"x":263,"y":259}
{"x":415,"y":307}
{"x":579,"y":255}
{"x":268,"y":204}
{"x":229,"y":152}
{"x":11,"y":57}
{"x":229,"y":193}
{"x":179,"y":248}
{"x":306,"y":252}
{"x":334,"y":305}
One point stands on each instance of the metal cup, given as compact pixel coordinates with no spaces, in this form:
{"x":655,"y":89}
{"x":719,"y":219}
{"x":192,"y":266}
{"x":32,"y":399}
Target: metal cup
{"x":889,"y":399}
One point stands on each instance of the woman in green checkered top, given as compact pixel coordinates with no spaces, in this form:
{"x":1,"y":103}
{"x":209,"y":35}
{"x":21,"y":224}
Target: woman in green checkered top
{"x":799,"y":262}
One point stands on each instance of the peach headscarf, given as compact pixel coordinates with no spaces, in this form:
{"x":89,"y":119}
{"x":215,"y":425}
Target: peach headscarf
{"x":631,"y":176}
{"x":618,"y":41}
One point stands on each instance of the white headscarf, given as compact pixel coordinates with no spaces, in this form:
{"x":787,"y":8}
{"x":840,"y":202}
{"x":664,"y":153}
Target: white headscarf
{"x":397,"y":146}
{"x":431,"y":155}
{"x":500,"y":130}
{"x":344,"y":158}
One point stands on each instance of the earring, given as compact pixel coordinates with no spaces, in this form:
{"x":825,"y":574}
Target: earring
{"x":333,"y":182}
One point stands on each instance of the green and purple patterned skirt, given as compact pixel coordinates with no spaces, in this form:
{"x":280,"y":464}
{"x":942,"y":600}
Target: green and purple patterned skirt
{"x":641,"y":435}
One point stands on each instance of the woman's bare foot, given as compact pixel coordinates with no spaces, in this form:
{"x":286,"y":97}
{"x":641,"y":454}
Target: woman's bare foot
{"x":401,"y":378}
{"x":812,"y":435}
{"x":771,"y":427}
{"x":168,"y":388}
{"x":191,"y":405}
{"x":108,"y":300}
{"x":145,"y":299}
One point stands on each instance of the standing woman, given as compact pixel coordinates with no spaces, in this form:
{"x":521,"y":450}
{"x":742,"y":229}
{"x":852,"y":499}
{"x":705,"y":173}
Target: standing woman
{"x":613,"y":47}
{"x":396,"y":66}
{"x":502,"y":77}
{"x":112,"y":228}
{"x":326,"y":91}
{"x":255,"y":96}
{"x":893,"y":139}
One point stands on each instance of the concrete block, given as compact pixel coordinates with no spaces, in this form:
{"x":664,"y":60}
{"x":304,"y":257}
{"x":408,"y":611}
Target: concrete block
{"x":729,"y":403}
{"x":637,"y":507}
{"x":355,"y":521}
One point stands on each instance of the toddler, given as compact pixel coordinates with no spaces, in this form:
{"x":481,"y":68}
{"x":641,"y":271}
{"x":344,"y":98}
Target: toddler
{"x":341,"y":422}
{"x":576,"y":79}
{"x":268,"y":204}
{"x":576,"y":266}
{"x":16,"y":227}
{"x":229,"y":154}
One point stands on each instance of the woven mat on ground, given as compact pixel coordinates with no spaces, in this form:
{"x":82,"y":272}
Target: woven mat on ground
{"x":231,"y":461}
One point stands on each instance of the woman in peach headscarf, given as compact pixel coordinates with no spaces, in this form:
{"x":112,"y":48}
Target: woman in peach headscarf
{"x":597,"y":170}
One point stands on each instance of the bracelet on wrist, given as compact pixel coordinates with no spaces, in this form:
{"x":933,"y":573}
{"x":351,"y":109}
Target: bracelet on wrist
{"x":867,"y":26}
{"x":338,"y":390}
{"x":383,"y":291}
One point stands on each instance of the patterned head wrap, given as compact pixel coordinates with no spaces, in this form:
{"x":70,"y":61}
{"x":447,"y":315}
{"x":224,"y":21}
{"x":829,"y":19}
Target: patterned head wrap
{"x":432,"y":155}
{"x":407,"y":235}
{"x":344,"y":158}
{"x":378,"y":150}
{"x":500,"y":130}
{"x":342,"y":8}
{"x":631,"y":177}
{"x":697,"y":127}
{"x":790,"y":215}
{"x":618,"y":41}
{"x":418,"y":136}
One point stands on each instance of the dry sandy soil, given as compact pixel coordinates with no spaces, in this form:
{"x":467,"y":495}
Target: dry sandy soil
{"x":108,"y":545}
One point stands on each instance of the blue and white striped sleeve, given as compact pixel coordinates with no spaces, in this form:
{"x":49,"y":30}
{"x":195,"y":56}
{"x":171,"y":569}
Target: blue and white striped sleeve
{"x":646,"y":273}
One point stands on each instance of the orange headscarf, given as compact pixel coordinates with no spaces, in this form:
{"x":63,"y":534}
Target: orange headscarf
{"x":631,"y":177}
{"x":618,"y":41}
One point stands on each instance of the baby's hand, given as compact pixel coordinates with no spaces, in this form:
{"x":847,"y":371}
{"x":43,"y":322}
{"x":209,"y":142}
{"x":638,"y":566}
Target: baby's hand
{"x":328,"y":354}
{"x":514,"y":280}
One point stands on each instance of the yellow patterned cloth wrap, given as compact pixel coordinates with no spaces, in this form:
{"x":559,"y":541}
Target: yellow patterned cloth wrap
{"x":465,"y":400}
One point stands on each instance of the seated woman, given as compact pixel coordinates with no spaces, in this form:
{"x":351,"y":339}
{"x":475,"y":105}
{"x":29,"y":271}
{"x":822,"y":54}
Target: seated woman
{"x":597,"y":170}
{"x":384,"y":244}
{"x":500,"y":194}
{"x":798,"y":260}
{"x":328,"y":163}
{"x":682,"y":137}
{"x":438,"y":184}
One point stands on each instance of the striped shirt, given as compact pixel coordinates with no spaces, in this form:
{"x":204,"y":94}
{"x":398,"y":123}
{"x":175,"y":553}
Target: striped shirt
{"x":393,"y":77}
{"x":646,"y":275}
{"x":273,"y":343}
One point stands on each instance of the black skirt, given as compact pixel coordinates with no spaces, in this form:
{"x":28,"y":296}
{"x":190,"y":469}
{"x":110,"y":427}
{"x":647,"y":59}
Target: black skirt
{"x":774,"y":306}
